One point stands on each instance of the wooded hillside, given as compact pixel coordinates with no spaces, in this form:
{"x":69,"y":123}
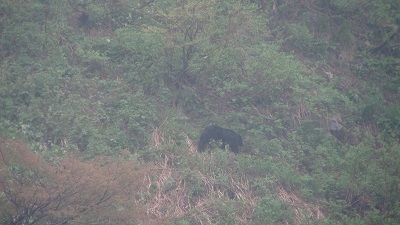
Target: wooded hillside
{"x":102,"y":104}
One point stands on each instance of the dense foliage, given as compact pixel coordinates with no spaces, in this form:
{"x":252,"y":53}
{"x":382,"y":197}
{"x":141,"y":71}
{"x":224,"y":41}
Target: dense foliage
{"x":312,"y":86}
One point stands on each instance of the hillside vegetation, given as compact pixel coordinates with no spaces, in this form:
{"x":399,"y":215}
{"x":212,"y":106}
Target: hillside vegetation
{"x":102,"y":103}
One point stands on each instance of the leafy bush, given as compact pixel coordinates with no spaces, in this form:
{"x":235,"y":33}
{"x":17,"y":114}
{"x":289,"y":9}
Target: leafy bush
{"x":271,"y":211}
{"x":389,"y":123}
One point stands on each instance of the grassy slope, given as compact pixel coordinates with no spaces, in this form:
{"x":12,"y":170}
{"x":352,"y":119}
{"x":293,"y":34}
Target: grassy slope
{"x":94,"y":98}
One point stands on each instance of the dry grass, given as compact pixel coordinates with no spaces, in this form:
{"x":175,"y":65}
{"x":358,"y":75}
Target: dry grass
{"x":171,"y":195}
{"x":303,"y":211}
{"x":191,"y":146}
{"x":157,"y":137}
{"x":301,"y":114}
{"x":172,"y":199}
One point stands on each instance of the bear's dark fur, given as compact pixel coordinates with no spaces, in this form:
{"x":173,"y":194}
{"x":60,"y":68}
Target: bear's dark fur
{"x":216,"y":133}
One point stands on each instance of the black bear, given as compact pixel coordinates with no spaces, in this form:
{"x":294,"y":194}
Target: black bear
{"x":216,"y":133}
